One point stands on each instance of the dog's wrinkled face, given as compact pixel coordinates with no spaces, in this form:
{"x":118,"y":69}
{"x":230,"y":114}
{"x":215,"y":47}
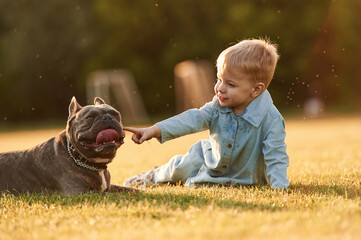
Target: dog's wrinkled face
{"x":95,"y":131}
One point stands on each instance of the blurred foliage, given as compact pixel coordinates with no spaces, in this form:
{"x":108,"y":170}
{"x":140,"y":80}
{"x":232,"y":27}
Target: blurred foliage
{"x":44,"y":45}
{"x":48,"y":49}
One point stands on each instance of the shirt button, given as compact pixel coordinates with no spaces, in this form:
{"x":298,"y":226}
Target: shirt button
{"x":229,"y":145}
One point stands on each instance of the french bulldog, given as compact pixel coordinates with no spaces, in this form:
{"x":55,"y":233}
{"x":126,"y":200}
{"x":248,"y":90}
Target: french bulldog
{"x":73,"y":162}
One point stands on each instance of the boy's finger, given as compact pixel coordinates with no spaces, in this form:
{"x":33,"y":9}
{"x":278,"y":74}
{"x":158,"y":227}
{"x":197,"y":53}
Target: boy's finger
{"x":142,"y":139}
{"x":130,"y":129}
{"x":135,"y":139}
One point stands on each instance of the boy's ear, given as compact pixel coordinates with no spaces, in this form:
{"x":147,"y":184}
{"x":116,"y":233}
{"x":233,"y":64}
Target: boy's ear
{"x":258,"y":89}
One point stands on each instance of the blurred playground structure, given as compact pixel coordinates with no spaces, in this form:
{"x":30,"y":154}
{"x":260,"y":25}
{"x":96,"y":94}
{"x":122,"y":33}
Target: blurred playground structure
{"x":193,"y":80}
{"x":118,"y":88}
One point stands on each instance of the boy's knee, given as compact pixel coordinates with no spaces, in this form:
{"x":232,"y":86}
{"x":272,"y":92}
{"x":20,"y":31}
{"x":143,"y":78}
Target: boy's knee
{"x":184,"y":166}
{"x":196,"y":146}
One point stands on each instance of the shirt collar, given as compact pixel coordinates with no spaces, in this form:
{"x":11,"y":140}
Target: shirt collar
{"x":255,"y":111}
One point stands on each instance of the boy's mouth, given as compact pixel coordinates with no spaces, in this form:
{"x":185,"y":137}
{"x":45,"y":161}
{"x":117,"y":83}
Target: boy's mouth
{"x":221,"y":99}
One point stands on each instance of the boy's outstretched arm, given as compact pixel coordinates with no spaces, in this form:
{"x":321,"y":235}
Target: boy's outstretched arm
{"x":143,"y":134}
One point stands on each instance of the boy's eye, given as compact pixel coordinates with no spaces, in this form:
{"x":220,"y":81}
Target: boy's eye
{"x":231,"y":85}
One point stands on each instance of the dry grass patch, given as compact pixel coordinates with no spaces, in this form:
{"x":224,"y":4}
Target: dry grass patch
{"x":323,"y":201}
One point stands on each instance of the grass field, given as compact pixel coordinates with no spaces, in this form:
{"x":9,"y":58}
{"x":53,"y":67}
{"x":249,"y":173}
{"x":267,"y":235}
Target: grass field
{"x":323,"y":201}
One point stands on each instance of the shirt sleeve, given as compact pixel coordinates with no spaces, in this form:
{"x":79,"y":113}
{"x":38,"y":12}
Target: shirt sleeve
{"x":275,"y":156}
{"x":190,"y":121}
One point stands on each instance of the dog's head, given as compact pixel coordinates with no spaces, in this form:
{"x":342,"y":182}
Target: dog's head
{"x":95,"y":131}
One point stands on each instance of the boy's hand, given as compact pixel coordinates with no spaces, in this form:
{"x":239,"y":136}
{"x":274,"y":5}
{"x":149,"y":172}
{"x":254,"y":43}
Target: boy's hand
{"x":143,"y":134}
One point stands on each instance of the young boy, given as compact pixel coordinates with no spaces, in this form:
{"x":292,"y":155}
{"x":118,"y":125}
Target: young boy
{"x":246,"y":145}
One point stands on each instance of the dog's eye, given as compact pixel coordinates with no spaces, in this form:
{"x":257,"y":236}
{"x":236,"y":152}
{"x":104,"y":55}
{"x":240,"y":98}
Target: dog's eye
{"x":90,"y":117}
{"x":117,"y":116}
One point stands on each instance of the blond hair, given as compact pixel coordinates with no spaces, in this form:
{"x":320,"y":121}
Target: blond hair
{"x":255,"y":57}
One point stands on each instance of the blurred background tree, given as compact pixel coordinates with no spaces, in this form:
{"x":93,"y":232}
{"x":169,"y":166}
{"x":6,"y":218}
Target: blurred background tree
{"x":48,"y":49}
{"x":44,"y":46}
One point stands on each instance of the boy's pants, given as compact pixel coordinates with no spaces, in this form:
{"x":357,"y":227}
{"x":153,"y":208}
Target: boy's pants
{"x":181,"y":167}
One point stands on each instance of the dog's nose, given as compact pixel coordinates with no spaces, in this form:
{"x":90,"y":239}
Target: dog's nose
{"x":106,"y":117}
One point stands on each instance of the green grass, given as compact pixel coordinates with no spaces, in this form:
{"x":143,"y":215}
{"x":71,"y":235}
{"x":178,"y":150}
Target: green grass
{"x":322,"y":202}
{"x":178,"y":212}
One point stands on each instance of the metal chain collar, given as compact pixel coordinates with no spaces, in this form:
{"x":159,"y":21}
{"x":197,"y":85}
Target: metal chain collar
{"x":77,"y":161}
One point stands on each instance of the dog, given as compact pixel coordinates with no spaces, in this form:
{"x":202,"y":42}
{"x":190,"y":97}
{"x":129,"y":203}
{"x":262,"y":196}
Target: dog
{"x":73,"y":162}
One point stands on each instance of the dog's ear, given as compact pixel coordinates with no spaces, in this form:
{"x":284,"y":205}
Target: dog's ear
{"x":98,"y":101}
{"x":74,"y":107}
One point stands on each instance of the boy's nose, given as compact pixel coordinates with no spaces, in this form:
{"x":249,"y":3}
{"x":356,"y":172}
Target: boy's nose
{"x":220,"y":88}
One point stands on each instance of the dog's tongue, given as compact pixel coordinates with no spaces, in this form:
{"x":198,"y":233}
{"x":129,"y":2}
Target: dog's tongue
{"x":107,"y":135}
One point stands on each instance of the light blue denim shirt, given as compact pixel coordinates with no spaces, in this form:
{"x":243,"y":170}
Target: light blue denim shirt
{"x":248,"y":149}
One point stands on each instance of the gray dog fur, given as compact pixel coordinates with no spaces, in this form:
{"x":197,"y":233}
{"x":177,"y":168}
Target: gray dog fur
{"x":50,"y":168}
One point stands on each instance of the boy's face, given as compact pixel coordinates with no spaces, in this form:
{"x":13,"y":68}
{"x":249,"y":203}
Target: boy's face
{"x":234,"y":89}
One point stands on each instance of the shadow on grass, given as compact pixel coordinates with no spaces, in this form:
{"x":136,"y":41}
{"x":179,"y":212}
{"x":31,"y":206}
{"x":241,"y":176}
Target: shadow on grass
{"x":169,"y":200}
{"x":349,"y":192}
{"x":177,"y":200}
